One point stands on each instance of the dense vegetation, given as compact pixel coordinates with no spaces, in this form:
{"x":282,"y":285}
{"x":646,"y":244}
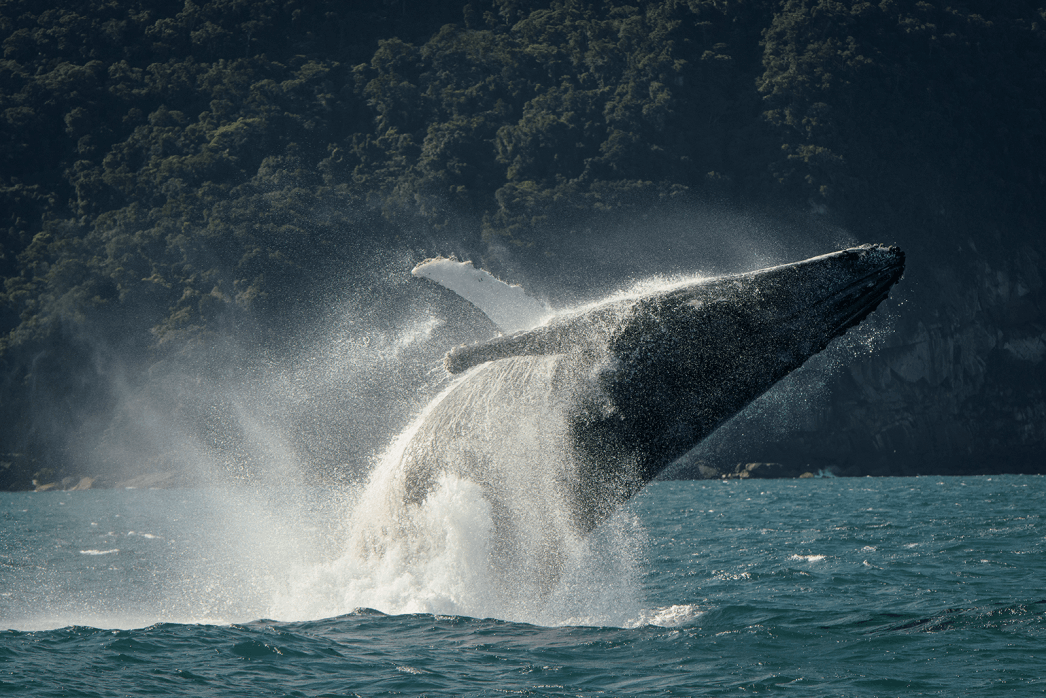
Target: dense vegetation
{"x":171,"y":172}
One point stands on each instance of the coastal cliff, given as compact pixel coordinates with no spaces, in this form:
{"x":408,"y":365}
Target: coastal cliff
{"x":194,"y":198}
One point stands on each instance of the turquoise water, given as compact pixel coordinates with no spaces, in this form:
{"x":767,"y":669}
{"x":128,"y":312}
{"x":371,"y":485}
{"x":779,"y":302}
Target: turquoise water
{"x":826,"y":587}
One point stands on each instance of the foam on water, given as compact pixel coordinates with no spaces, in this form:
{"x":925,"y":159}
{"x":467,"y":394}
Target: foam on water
{"x":669,"y":616}
{"x":420,"y":561}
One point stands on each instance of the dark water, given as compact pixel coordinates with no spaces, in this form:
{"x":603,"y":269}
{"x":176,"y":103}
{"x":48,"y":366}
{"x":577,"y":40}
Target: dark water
{"x":833,"y":587}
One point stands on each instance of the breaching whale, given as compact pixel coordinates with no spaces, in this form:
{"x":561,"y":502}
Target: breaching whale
{"x":578,"y":414}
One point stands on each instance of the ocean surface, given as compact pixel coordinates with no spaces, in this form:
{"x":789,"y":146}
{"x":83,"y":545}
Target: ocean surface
{"x":931,"y":586}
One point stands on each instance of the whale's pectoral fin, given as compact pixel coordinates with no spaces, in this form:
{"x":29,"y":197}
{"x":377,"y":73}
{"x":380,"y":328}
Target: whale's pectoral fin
{"x":542,"y":341}
{"x":580,"y":335}
{"x":507,"y":306}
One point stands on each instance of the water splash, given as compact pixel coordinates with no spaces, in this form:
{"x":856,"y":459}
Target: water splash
{"x":365,"y":547}
{"x":443,"y":555}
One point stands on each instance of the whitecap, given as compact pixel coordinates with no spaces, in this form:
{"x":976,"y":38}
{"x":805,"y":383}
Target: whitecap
{"x":808,"y":558}
{"x":669,"y":616}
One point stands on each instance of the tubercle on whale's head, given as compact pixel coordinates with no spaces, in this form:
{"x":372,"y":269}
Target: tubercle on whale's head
{"x":823,"y":295}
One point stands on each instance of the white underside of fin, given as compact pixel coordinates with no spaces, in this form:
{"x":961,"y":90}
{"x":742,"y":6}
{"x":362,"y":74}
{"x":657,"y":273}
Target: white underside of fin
{"x":508,"y":307}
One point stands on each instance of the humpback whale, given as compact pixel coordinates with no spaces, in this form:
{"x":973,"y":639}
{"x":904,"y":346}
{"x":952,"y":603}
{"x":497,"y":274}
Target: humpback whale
{"x":573,"y":417}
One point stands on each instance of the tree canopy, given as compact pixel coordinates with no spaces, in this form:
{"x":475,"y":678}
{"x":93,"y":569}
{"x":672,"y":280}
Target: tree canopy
{"x":171,"y":170}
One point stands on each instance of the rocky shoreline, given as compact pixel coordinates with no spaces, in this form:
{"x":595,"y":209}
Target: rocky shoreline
{"x":694,"y":471}
{"x":701,"y":470}
{"x":44,"y":480}
{"x":184,"y":479}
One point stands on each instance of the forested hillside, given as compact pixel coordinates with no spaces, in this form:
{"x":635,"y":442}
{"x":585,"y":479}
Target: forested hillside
{"x":173,"y":174}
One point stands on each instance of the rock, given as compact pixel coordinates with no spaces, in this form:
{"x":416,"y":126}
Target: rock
{"x":707,"y":472}
{"x":84,"y":484}
{"x":766,"y":471}
{"x":693,"y":470}
{"x":159,"y":480}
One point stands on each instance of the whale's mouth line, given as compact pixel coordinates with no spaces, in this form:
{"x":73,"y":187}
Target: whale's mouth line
{"x":855,"y":296}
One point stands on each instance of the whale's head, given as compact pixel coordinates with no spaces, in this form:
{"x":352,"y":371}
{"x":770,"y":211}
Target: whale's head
{"x":682,"y":362}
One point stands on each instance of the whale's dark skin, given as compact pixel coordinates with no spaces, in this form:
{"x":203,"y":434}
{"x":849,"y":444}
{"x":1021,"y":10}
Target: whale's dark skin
{"x":622,"y":390}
